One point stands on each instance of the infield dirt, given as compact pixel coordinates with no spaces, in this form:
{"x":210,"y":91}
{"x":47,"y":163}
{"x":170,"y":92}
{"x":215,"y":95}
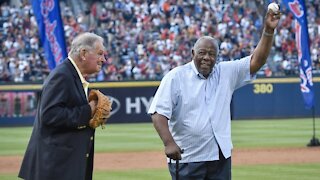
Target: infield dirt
{"x":157,"y":159}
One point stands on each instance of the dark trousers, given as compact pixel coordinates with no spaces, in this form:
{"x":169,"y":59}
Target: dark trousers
{"x":207,"y":170}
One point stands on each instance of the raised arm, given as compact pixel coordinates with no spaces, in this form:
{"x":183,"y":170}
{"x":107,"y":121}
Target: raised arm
{"x":262,"y":50}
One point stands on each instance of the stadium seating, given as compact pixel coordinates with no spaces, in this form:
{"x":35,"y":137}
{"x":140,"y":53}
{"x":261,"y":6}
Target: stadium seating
{"x":145,"y":39}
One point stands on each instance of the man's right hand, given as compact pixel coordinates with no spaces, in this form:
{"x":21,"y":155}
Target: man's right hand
{"x":93,"y":105}
{"x":173,"y":151}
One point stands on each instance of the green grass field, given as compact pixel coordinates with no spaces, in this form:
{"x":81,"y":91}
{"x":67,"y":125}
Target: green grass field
{"x":143,"y":137}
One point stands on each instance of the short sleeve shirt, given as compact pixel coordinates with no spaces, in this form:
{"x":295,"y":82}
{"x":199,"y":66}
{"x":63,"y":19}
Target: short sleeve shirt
{"x":198,"y":109}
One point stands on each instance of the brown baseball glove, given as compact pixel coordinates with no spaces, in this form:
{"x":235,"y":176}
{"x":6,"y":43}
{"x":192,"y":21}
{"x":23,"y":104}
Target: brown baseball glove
{"x":103,"y":108}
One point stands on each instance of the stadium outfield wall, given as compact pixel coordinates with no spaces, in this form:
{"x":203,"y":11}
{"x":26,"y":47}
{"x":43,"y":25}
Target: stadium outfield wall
{"x":263,"y":99}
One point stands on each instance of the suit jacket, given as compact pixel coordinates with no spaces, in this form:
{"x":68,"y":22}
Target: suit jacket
{"x":61,"y":146}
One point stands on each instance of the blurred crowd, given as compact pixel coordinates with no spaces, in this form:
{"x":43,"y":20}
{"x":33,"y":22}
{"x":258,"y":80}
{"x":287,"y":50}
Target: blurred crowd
{"x":146,"y":39}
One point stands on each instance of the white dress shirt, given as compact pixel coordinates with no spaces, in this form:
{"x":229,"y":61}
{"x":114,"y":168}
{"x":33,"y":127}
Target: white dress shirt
{"x":85,"y":83}
{"x":198,"y":109}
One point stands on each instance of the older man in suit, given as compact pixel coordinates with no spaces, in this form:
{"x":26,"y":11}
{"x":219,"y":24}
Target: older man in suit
{"x":61,"y":146}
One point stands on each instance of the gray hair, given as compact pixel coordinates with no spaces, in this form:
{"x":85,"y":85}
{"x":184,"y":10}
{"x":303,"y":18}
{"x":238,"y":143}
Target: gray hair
{"x":84,"y":41}
{"x":214,"y":40}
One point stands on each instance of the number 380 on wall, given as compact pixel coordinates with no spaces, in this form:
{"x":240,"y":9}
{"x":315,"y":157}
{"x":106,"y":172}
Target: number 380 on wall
{"x":263,"y":88}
